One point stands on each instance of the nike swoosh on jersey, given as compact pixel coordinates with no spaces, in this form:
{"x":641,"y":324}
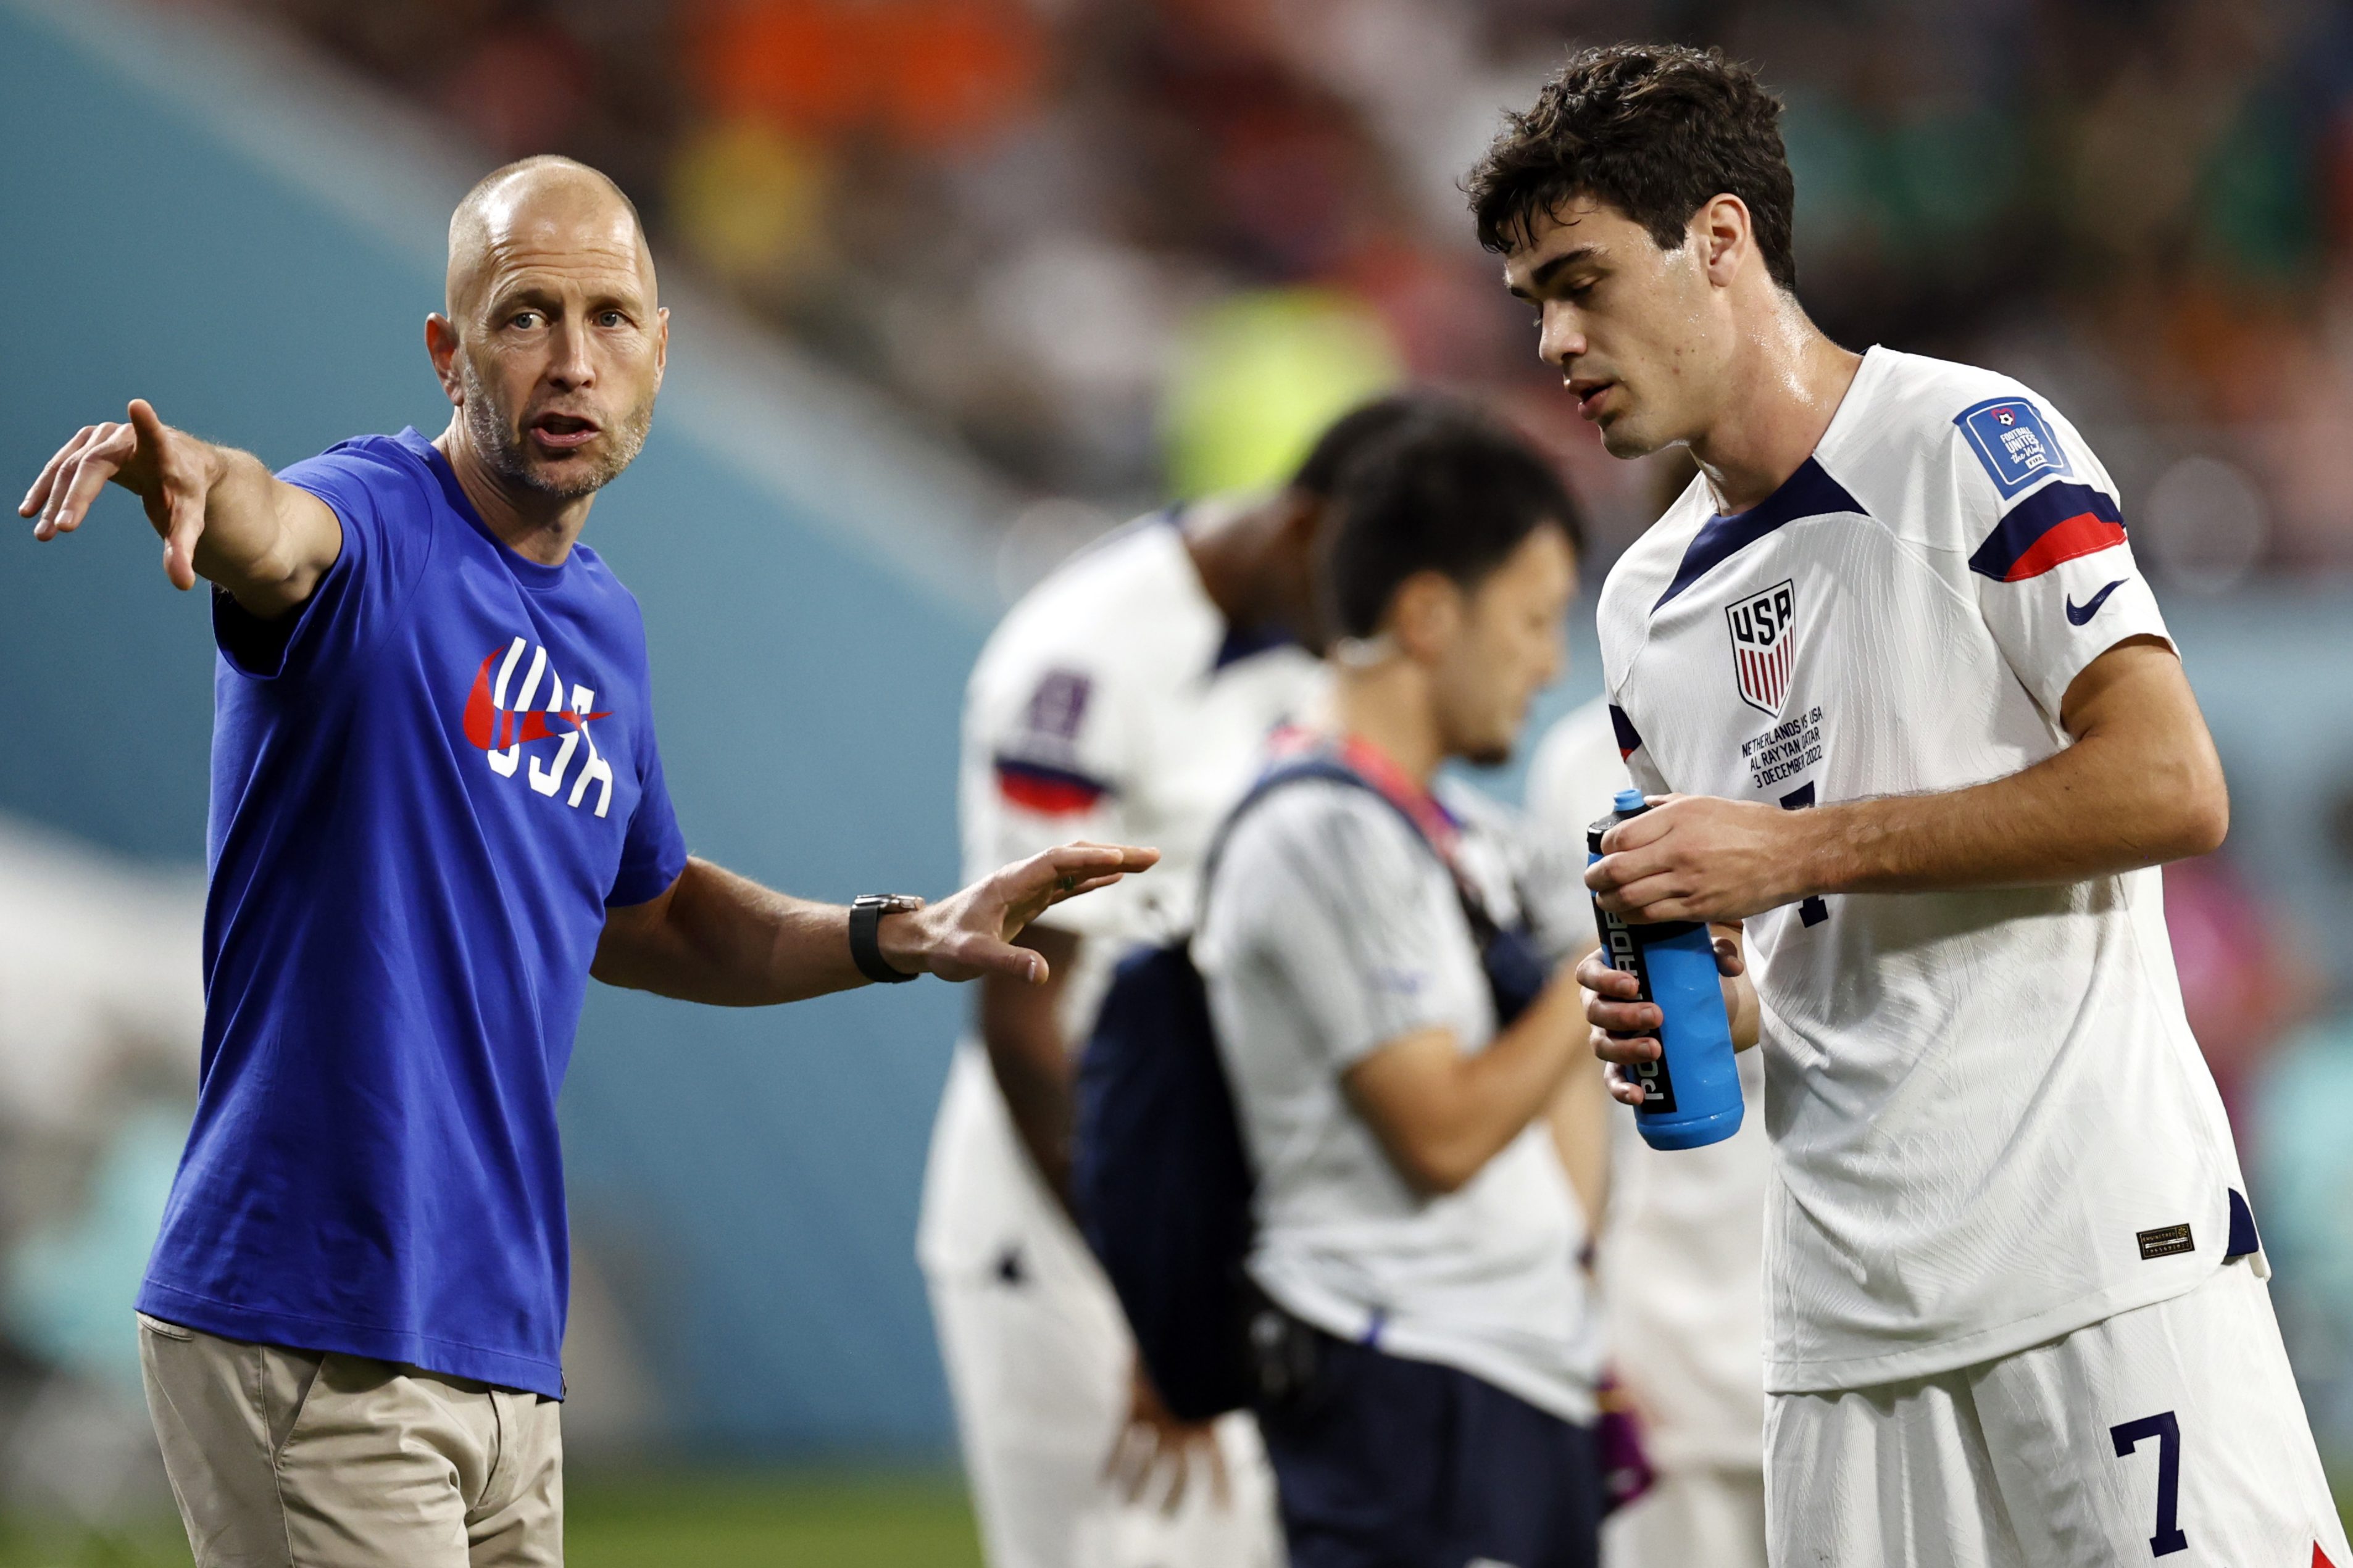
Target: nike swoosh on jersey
{"x":491,"y":727}
{"x":2079,"y":613}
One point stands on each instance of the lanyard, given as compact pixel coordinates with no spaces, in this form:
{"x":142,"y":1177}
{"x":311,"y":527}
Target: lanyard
{"x":1391,"y":782}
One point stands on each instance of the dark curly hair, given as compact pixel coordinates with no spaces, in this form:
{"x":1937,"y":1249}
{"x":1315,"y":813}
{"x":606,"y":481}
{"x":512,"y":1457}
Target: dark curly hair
{"x":1654,"y":129}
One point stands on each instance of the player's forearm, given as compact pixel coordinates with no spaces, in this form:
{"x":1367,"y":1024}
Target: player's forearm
{"x":725,"y":940}
{"x":2037,"y":828}
{"x":1040,"y":1094}
{"x":1020,"y":1026}
{"x":2118,"y":799}
{"x":2141,"y":784}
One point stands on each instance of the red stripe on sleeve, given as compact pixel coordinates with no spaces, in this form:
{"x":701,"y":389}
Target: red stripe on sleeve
{"x":1045,"y":794}
{"x":2082,"y":534}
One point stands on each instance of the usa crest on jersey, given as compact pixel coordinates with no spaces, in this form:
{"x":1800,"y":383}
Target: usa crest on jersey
{"x":1765,"y":644}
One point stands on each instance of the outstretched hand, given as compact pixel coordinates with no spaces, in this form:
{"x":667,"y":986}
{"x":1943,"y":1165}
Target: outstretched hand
{"x":169,"y":471}
{"x":970,"y":934}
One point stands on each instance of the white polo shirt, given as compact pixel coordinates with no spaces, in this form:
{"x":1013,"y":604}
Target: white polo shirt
{"x":1331,"y":931}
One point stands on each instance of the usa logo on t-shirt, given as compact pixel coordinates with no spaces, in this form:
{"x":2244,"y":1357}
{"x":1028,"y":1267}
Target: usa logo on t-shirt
{"x":2014,"y":442}
{"x":1765,"y":644}
{"x":502,"y":731}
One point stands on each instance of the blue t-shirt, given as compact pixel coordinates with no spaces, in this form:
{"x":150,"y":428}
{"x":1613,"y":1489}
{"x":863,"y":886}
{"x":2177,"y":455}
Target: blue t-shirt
{"x":427,"y":784}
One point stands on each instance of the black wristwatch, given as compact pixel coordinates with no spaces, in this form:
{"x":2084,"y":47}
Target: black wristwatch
{"x":866,"y":912}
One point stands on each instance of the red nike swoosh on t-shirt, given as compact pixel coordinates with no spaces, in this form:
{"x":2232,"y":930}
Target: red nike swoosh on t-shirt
{"x":491,"y":727}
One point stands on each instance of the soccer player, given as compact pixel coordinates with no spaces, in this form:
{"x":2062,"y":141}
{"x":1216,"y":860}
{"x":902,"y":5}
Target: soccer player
{"x":1415,"y":1229}
{"x":1925,"y":739}
{"x":1681,"y":1254}
{"x":1129,"y":694}
{"x":438,"y":808}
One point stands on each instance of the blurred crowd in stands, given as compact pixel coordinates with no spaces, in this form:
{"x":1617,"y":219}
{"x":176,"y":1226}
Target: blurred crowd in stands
{"x":1128,"y":247}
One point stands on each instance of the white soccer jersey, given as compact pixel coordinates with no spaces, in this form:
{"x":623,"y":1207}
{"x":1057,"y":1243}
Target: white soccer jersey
{"x":1990,"y":1123}
{"x":1113,"y":703}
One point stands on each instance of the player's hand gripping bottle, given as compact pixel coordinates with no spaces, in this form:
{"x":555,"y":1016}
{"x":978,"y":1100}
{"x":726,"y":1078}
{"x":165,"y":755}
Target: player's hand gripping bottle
{"x":1690,"y":1095}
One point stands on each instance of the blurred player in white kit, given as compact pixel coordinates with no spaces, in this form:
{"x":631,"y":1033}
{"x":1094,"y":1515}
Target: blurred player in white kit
{"x":1932,"y":740}
{"x":1681,"y":1249}
{"x":1135,"y":687}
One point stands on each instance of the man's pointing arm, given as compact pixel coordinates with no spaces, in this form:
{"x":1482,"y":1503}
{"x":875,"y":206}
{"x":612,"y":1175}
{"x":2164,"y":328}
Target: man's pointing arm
{"x":221,"y":514}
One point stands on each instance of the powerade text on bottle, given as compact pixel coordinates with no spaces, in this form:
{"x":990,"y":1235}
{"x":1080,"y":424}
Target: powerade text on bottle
{"x":1690,"y":1095}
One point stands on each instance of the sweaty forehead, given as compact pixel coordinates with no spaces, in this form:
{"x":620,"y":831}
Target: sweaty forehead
{"x":556,"y":231}
{"x":1579,"y":224}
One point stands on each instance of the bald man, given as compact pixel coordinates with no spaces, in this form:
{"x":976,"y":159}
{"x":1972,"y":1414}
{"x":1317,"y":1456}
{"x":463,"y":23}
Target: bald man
{"x":438,"y":809}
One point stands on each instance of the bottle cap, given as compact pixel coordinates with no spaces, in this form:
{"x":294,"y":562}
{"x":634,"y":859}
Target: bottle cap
{"x":1630,"y":800}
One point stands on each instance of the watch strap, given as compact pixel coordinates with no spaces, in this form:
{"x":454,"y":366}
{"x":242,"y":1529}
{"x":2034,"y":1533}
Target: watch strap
{"x":866,"y":912}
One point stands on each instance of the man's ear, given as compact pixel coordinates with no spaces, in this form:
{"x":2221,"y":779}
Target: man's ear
{"x":1426,"y":616}
{"x":1301,"y":515}
{"x":441,"y":347}
{"x":1724,"y":235}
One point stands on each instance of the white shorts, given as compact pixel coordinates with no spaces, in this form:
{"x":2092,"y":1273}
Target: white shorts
{"x":1038,"y":1361}
{"x":2172,"y":1434}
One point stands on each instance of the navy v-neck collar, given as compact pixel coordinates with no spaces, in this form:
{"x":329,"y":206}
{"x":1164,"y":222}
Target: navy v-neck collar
{"x":1808,"y":492}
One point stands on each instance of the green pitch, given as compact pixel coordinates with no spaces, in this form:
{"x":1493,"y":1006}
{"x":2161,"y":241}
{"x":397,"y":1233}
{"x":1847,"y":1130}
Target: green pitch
{"x":712,"y":1520}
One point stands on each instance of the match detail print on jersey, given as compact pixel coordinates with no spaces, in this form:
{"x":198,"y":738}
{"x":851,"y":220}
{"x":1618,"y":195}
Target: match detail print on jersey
{"x":500,"y":732}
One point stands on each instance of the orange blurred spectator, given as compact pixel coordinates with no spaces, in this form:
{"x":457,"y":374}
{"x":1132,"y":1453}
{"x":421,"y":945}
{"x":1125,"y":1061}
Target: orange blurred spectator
{"x":925,"y":73}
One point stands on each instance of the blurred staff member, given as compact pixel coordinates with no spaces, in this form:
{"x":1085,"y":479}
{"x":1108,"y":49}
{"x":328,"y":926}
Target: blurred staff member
{"x":1132,"y":691}
{"x":1682,"y":1256}
{"x":1414,"y":1226}
{"x":438,"y":808}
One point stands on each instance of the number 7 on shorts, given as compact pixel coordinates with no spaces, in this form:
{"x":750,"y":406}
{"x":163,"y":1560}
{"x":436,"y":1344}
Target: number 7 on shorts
{"x":2162,"y":1427}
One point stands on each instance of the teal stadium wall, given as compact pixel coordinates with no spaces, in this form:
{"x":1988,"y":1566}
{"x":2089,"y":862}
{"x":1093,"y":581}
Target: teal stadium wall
{"x":752,"y":1175}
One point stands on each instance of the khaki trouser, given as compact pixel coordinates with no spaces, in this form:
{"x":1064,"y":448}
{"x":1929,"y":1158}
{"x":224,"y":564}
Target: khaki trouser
{"x":283,"y":1459}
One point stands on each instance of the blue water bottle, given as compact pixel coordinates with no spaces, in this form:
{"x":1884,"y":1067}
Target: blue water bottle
{"x":1690,"y":1095}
